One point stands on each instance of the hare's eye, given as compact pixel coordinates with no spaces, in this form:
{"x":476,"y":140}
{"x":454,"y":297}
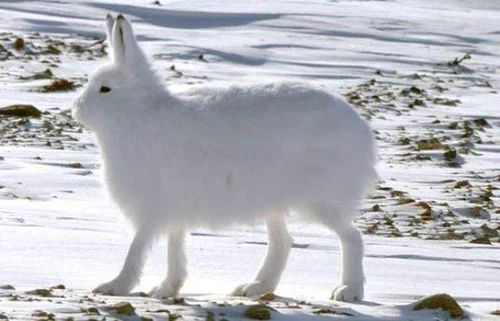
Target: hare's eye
{"x":104,"y":89}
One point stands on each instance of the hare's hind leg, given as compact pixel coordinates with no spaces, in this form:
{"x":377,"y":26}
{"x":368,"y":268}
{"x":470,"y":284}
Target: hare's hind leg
{"x":269,"y":274}
{"x":351,"y":286}
{"x":131,"y":272}
{"x":177,"y":271}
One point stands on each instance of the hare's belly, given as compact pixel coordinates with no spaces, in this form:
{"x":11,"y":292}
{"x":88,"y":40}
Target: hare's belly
{"x":190,"y":188}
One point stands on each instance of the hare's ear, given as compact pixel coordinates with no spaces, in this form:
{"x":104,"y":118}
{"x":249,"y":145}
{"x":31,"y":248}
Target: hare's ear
{"x":110,"y":21}
{"x":126,"y":50}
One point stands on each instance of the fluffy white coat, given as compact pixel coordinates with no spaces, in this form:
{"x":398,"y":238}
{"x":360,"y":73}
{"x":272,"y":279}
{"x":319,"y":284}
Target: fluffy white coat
{"x":218,"y":156}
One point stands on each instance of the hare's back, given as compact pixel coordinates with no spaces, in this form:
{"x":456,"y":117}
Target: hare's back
{"x":291,"y":119}
{"x":279,"y":141}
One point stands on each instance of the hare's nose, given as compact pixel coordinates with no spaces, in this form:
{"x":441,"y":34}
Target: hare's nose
{"x":76,"y":106}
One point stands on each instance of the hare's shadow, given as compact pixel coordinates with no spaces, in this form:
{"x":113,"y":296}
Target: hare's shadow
{"x":282,"y":308}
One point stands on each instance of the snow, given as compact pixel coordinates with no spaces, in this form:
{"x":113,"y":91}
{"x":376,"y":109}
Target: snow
{"x":58,"y":226}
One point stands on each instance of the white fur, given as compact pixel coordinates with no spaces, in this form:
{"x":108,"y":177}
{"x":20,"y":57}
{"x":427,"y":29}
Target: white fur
{"x":220,"y":156}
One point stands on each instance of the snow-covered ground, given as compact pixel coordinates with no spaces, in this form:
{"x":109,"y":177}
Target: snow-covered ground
{"x":58,"y":226}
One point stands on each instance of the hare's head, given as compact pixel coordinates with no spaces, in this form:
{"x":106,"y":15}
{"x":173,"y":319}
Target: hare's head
{"x":123,"y":83}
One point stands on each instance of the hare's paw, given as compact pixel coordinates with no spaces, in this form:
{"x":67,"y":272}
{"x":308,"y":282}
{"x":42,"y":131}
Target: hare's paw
{"x":114,"y":287}
{"x":253,"y":289}
{"x":348,"y":293}
{"x":166,"y":290}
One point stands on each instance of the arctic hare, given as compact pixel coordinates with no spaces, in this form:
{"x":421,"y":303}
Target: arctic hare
{"x":212,"y":157}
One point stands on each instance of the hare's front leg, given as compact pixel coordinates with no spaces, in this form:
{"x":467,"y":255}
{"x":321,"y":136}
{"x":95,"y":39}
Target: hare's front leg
{"x":177,"y":271}
{"x":269,"y":274}
{"x":131,"y":272}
